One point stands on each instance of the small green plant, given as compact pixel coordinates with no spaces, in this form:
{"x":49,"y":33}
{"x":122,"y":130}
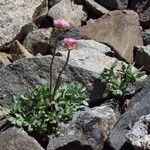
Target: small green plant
{"x":44,"y":108}
{"x":32,"y":110}
{"x":117,"y":81}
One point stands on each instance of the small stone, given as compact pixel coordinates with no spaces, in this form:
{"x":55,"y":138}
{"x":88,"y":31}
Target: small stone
{"x":38,"y":41}
{"x":18,"y":51}
{"x":88,"y":129}
{"x":17,"y":139}
{"x":69,"y":11}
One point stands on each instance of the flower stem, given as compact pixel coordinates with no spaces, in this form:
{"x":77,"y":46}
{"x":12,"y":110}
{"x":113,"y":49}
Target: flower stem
{"x":51,"y":65}
{"x":59,"y":76}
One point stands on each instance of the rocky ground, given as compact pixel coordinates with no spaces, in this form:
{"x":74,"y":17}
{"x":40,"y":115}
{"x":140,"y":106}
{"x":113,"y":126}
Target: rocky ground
{"x":106,"y":30}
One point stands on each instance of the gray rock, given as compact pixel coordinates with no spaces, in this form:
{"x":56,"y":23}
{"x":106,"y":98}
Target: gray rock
{"x":68,"y":10}
{"x":139,"y":136}
{"x":139,"y":106}
{"x":89,"y":45}
{"x":38,"y":41}
{"x":93,"y":6}
{"x":53,"y":2}
{"x":142,"y":7}
{"x":114,"y":4}
{"x":90,"y":59}
{"x":17,"y":139}
{"x":142,"y":57}
{"x":14,"y":24}
{"x":88,"y":130}
{"x":118,"y":29}
{"x":5,"y":58}
{"x":146,"y":38}
{"x":26,"y":74}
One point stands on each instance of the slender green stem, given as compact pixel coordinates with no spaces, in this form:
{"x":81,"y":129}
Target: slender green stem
{"x":51,"y":64}
{"x":59,"y":76}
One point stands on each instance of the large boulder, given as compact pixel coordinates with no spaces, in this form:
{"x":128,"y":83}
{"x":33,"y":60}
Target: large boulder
{"x":14,"y":24}
{"x":17,"y":139}
{"x":68,"y":10}
{"x":142,"y":57}
{"x":38,"y":41}
{"x":25,"y":74}
{"x":142,"y":7}
{"x":119,"y":29}
{"x":139,"y":106}
{"x":89,"y":130}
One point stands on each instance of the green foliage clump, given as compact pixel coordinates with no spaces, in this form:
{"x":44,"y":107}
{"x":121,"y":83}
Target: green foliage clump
{"x":35,"y":113}
{"x":117,"y":81}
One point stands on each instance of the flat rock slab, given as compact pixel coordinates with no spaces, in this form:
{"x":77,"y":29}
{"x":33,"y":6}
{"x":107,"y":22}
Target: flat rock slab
{"x":119,"y":29}
{"x":17,"y":139}
{"x":90,"y":59}
{"x":16,"y":17}
{"x":139,"y":106}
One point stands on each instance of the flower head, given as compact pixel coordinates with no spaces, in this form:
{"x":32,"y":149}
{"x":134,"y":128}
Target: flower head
{"x":70,"y":43}
{"x":61,"y":23}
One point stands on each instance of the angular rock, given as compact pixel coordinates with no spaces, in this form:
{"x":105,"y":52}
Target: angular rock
{"x":25,"y":74}
{"x":90,"y":59}
{"x":17,"y":139}
{"x":114,"y":4}
{"x":146,"y":38}
{"x":139,"y":106}
{"x":18,"y":51}
{"x":14,"y":24}
{"x":88,"y":130}
{"x":68,"y":10}
{"x":92,"y":5}
{"x":142,"y":7}
{"x":119,"y":29}
{"x":139,"y":136}
{"x":5,"y":58}
{"x":38,"y":41}
{"x":142,"y":57}
{"x":89,"y":45}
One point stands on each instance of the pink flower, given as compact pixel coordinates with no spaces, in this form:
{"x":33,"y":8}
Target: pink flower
{"x":61,"y":23}
{"x":70,"y":43}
